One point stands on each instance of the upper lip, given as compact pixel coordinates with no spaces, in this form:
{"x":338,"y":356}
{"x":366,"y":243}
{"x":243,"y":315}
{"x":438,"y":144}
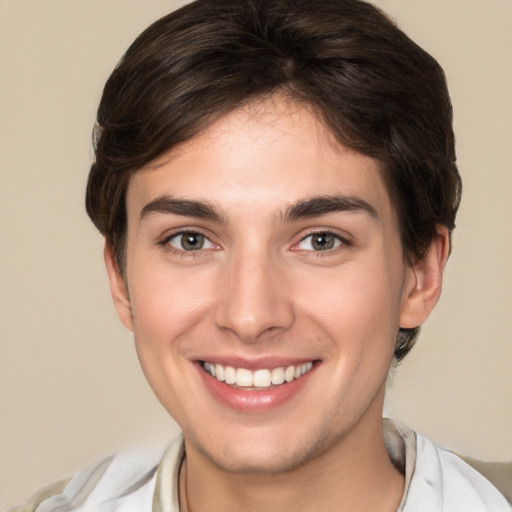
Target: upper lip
{"x":255,"y":363}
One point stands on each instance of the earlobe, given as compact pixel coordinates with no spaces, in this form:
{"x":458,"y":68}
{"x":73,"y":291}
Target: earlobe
{"x":424,"y":282}
{"x":118,"y":288}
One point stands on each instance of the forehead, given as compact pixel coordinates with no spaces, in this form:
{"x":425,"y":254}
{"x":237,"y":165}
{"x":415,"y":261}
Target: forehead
{"x":266,"y":154}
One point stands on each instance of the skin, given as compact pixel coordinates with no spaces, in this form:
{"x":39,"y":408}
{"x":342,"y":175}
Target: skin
{"x":258,"y":291}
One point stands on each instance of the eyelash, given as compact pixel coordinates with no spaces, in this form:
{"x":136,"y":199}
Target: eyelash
{"x":165,"y":243}
{"x":342,"y":242}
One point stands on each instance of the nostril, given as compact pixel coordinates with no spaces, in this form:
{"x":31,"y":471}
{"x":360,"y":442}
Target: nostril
{"x":252,"y":301}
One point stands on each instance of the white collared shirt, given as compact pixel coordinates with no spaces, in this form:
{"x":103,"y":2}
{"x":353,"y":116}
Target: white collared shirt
{"x":435,"y":481}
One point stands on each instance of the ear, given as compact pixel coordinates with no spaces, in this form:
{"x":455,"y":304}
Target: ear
{"x":424,"y":282}
{"x":118,"y":288}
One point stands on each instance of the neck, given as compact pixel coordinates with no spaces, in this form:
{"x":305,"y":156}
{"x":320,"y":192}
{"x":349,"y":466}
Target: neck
{"x":354,"y":475}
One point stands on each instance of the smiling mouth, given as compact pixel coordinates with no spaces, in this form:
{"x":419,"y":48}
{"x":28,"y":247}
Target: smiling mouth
{"x":258,"y":379}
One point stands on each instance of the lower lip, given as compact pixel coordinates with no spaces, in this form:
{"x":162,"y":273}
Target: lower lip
{"x":253,"y":400}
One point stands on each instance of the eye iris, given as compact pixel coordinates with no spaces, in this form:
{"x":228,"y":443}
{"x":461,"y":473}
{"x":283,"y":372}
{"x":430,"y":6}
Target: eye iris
{"x":323,"y":241}
{"x":192,"y":241}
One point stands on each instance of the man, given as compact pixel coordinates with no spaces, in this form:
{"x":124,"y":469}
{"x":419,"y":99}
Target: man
{"x":276,"y":184}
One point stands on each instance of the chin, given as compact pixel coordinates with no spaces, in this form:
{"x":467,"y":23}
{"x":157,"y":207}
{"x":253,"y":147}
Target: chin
{"x":257,"y":461}
{"x":266,"y":453}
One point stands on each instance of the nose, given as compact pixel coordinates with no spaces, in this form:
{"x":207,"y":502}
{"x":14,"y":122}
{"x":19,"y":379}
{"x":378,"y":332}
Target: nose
{"x":255,"y":301}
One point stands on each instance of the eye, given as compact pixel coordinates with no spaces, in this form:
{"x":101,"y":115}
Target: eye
{"x":189,"y":241}
{"x":321,"y":241}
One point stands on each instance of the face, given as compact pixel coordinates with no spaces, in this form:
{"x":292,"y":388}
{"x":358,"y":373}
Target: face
{"x":265,"y":287}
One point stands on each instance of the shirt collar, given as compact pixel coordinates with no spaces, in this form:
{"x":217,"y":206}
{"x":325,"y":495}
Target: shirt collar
{"x":400,"y":444}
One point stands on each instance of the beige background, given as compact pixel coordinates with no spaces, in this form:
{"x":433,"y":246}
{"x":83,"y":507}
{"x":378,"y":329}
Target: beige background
{"x":70,"y":386}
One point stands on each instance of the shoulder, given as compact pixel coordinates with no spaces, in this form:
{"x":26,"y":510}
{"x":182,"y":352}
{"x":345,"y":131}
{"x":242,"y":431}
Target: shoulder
{"x":41,"y":495}
{"x":442,"y":481}
{"x":121,"y":483}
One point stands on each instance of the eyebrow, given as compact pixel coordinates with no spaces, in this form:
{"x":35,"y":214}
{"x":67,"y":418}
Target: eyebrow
{"x":323,"y":205}
{"x":305,"y":208}
{"x":185,"y":207}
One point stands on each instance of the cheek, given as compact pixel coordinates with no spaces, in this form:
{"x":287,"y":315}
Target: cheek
{"x":168,"y":312}
{"x":165,"y":302}
{"x":358,"y":307}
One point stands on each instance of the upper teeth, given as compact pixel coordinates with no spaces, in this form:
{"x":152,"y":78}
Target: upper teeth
{"x":260,"y":378}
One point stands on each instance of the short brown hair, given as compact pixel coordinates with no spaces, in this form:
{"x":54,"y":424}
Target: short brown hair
{"x":374,"y":88}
